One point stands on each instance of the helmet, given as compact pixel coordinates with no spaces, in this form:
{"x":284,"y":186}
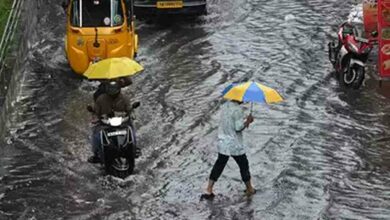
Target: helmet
{"x":113,"y":88}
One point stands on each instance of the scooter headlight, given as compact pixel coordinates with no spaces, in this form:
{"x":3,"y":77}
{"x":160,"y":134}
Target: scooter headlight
{"x":115,"y":121}
{"x":353,"y":47}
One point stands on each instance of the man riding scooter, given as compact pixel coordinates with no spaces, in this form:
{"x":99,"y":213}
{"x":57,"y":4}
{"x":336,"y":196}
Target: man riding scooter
{"x":105,"y":105}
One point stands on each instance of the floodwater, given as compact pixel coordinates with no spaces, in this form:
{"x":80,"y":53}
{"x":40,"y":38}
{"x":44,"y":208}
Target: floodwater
{"x":322,"y":154}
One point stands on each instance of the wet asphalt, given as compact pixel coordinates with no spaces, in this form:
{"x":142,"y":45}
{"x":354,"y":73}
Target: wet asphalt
{"x":321,"y":154}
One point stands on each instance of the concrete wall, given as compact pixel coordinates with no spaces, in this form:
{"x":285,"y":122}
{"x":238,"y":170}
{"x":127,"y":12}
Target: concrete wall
{"x":23,"y":41}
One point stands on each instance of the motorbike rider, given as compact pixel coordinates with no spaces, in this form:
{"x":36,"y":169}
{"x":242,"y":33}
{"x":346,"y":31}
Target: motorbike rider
{"x":105,"y":105}
{"x":122,"y":81}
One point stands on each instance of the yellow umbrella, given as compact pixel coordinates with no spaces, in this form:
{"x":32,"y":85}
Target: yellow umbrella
{"x":113,"y":68}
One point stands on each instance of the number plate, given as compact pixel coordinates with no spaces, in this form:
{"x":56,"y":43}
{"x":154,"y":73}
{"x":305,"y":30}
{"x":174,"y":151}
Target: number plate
{"x":170,"y":4}
{"x":116,"y":133}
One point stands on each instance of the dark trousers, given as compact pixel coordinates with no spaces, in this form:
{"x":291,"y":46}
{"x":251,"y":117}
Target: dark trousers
{"x":221,"y":162}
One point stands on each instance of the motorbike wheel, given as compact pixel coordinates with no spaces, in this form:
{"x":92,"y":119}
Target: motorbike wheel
{"x":359,"y":77}
{"x":352,"y":77}
{"x":346,"y":75}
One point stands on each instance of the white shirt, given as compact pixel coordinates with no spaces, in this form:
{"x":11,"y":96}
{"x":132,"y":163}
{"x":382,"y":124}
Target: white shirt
{"x":231,"y":124}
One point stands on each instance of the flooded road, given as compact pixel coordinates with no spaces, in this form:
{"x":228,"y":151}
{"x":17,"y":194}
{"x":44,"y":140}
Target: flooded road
{"x":321,"y":154}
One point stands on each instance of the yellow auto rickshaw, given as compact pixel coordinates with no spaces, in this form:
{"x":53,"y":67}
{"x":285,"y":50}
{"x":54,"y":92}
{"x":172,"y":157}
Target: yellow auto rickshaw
{"x":99,"y":29}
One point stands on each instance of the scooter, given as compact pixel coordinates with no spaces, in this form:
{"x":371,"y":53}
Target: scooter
{"x":349,"y":56}
{"x":118,"y":143}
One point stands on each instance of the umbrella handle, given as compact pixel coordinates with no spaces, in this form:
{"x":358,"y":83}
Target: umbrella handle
{"x":251,"y":108}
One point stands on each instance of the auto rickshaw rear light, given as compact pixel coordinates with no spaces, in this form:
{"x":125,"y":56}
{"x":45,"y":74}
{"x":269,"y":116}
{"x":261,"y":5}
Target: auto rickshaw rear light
{"x":118,"y":30}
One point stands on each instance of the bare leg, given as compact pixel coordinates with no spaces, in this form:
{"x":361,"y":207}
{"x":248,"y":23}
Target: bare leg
{"x":210,"y":186}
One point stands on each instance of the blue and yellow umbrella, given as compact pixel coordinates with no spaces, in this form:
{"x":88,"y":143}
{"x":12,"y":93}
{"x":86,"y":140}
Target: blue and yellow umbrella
{"x":251,"y":92}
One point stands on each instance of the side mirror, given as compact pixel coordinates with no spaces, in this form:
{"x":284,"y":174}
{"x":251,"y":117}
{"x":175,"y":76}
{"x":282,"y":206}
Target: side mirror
{"x":374,"y":34}
{"x":90,"y":109}
{"x":135,"y":105}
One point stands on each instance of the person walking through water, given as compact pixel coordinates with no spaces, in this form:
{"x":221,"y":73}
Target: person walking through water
{"x":230,"y":143}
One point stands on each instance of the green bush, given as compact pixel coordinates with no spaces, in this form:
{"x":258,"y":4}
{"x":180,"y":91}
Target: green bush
{"x":5,"y":8}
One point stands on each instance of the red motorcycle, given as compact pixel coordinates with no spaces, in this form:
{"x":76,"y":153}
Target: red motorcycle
{"x":350,"y":55}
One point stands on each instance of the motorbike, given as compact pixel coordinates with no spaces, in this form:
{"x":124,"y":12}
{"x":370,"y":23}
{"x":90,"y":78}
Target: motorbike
{"x":349,"y":56}
{"x":118,"y":143}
